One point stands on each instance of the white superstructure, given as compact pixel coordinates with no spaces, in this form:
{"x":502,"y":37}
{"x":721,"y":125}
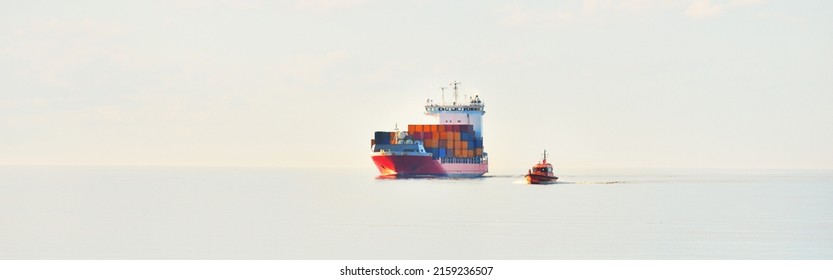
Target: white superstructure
{"x":470,"y":112}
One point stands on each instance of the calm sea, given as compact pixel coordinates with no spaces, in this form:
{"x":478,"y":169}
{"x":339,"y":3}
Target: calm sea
{"x":272,"y":213}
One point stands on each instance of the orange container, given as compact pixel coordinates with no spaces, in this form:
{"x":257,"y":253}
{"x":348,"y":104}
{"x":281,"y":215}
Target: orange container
{"x":450,"y":144}
{"x":464,"y":145}
{"x":471,"y":153}
{"x":478,"y":152}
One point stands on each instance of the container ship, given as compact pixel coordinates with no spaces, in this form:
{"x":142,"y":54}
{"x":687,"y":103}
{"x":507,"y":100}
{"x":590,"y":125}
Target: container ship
{"x":453,"y":147}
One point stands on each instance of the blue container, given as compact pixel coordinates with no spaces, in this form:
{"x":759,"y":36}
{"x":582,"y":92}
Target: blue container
{"x":381,"y":137}
{"x":442,"y":152}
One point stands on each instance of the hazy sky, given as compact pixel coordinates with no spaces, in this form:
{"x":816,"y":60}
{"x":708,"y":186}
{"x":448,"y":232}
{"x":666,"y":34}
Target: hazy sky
{"x":688,"y":83}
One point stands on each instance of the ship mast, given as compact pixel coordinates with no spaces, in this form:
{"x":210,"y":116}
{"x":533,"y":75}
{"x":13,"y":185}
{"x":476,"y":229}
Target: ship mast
{"x":454,"y":84}
{"x":443,"y":96}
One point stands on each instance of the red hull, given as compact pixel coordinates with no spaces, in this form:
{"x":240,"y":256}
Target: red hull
{"x":407,"y":166}
{"x":539,"y":179}
{"x":417,"y":165}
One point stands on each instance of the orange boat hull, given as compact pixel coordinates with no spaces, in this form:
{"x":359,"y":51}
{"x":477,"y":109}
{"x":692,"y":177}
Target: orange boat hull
{"x":540,"y":179}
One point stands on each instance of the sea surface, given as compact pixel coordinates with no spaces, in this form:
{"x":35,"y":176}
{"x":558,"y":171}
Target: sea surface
{"x":274,"y":213}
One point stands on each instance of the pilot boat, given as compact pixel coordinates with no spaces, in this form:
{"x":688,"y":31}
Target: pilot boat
{"x":541,"y":173}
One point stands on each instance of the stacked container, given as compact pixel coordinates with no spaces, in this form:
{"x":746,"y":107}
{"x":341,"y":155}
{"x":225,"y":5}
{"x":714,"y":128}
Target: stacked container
{"x":448,"y":140}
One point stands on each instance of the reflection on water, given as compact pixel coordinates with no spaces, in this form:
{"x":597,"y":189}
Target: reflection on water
{"x":265,"y":213}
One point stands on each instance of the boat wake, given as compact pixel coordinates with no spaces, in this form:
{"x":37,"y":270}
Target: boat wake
{"x":596,"y":182}
{"x":523,"y":182}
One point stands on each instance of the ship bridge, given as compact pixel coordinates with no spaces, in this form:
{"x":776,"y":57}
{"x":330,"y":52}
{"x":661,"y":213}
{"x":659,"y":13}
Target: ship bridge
{"x":467,"y":112}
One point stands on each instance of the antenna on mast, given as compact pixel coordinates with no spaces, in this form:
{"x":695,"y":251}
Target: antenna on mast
{"x":443,"y":96}
{"x":455,"y":83}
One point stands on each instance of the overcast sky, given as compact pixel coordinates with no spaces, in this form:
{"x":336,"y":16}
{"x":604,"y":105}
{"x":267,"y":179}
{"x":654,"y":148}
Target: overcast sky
{"x":677,"y":84}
